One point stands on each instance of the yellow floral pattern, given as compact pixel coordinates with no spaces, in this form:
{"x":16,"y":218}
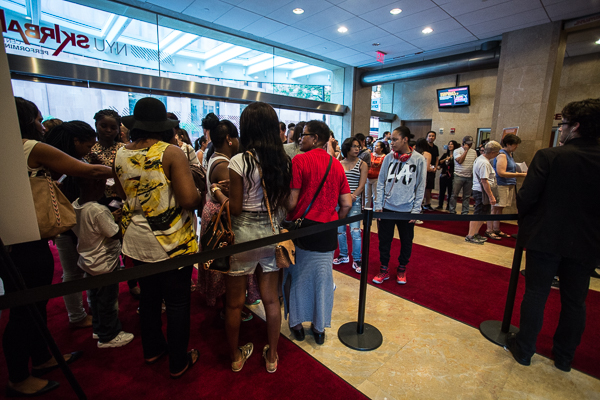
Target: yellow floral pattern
{"x":142,"y":176}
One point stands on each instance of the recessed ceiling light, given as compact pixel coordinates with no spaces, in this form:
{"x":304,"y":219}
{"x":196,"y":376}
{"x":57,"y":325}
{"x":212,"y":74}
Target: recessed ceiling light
{"x":190,"y":65}
{"x":598,"y":41}
{"x":298,"y":11}
{"x":256,"y":77}
{"x":342,"y":29}
{"x":427,"y":30}
{"x":27,"y":17}
{"x":375,"y":44}
{"x":395,"y":11}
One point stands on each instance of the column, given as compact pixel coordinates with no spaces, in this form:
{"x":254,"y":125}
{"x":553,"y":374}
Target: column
{"x":527,"y":86}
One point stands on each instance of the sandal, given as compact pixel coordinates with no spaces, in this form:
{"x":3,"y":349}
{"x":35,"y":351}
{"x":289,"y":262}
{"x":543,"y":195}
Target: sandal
{"x":271,"y":366}
{"x":246,"y":350}
{"x":191,"y":362}
{"x":502,"y":234}
{"x":492,"y":235}
{"x":154,"y":360}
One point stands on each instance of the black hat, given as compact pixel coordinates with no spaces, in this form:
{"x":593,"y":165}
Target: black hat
{"x":149,"y":115}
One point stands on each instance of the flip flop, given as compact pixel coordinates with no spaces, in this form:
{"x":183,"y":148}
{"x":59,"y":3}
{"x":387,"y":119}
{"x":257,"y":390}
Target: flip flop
{"x":38,"y":372}
{"x":191,"y":363}
{"x":502,"y":234}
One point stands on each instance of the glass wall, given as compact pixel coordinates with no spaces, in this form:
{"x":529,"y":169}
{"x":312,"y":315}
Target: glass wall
{"x":80,"y":103}
{"x":114,"y":36}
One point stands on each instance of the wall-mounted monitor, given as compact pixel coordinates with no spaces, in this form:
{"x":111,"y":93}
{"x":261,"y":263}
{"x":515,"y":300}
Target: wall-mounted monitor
{"x":459,"y":96}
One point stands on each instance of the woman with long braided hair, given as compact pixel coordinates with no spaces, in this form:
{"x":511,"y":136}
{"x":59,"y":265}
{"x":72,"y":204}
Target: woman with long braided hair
{"x":258,"y":192}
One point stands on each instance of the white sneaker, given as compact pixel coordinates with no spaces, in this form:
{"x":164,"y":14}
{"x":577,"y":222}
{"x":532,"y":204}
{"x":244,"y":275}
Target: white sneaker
{"x":419,"y":222}
{"x":95,"y":336}
{"x":120,"y":340}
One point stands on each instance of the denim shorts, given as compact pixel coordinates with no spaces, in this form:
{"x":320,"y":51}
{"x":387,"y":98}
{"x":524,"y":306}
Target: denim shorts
{"x":250,"y":226}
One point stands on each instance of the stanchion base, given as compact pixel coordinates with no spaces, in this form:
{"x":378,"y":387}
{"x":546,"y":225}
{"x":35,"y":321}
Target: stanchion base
{"x":370,"y":339}
{"x":492,"y":330}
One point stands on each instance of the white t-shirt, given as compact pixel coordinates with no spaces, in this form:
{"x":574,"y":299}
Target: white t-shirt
{"x":98,"y":253}
{"x":466,"y":168}
{"x":253,"y":201}
{"x":482,"y":169}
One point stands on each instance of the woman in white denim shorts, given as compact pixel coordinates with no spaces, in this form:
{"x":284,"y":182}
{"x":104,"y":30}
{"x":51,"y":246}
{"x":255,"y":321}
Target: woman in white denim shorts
{"x":264,"y":158}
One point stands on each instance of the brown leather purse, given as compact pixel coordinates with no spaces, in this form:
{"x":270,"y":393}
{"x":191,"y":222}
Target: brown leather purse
{"x":217,"y":236}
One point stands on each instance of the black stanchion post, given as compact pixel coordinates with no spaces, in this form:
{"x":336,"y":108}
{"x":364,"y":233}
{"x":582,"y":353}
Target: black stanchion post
{"x":496,"y":331}
{"x":358,"y":335}
{"x":17,"y":281}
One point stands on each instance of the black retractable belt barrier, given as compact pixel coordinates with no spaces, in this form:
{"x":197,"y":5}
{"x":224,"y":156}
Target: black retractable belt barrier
{"x":358,"y":335}
{"x":16,"y":280}
{"x":364,"y":337}
{"x":27,"y":296}
{"x":497,"y":331}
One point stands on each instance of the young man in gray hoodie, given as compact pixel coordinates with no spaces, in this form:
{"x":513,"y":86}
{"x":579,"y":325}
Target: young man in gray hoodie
{"x":400,"y":188}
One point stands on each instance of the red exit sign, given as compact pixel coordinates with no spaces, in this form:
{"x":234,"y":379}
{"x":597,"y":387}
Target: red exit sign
{"x":380,"y":57}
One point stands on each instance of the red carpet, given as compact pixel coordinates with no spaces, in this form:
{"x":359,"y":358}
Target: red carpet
{"x":473,"y":291}
{"x":461,"y":228}
{"x":121,"y":373}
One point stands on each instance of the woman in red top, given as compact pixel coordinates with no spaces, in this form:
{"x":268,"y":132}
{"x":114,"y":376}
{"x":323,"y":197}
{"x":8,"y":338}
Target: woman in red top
{"x":379,"y":152}
{"x":308,"y":285}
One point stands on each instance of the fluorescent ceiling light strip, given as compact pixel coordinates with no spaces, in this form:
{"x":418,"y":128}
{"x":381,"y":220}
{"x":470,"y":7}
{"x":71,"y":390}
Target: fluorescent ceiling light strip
{"x":180,"y":43}
{"x":217,"y":50}
{"x":167,"y":40}
{"x":306,"y":71}
{"x":117,"y":28}
{"x":225,"y":56}
{"x":267,"y":64}
{"x":107,"y":25}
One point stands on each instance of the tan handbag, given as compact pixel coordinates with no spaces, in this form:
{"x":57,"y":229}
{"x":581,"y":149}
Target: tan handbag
{"x":54,"y":211}
{"x":285,"y":252}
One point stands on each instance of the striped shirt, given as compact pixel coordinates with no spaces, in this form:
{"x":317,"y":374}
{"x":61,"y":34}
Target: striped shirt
{"x":353,"y":176}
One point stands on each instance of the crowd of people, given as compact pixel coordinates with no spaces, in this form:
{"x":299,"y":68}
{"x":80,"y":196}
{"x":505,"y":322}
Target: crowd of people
{"x":131,"y":184}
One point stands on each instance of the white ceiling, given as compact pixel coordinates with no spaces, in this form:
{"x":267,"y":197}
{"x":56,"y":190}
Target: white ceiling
{"x":458,"y":25}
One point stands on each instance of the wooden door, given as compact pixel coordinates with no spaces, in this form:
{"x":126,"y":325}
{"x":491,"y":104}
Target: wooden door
{"x":419,"y":128}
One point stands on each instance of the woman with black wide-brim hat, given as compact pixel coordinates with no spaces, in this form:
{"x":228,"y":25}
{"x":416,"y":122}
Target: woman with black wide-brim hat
{"x":152,"y":174}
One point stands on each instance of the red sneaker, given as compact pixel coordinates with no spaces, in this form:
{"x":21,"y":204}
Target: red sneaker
{"x":381,"y":277}
{"x":401,"y":278}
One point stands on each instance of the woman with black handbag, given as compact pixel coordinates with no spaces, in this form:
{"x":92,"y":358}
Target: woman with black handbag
{"x":22,"y":341}
{"x":318,"y":185}
{"x":259,"y":137}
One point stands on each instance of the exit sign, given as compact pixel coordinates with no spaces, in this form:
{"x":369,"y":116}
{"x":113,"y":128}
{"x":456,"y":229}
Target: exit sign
{"x":380,"y":56}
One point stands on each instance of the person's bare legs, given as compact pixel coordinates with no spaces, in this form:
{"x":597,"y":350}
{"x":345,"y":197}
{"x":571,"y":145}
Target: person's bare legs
{"x":267,"y":283}
{"x":496,"y":224}
{"x":427,"y":197}
{"x":235,"y":295}
{"x":474,"y":227}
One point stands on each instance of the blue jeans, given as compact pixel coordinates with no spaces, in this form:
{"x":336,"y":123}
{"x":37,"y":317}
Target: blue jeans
{"x":354,"y":232}
{"x":66,"y":245}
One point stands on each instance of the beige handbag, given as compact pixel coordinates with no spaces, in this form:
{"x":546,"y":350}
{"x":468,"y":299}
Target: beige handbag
{"x":54,"y":211}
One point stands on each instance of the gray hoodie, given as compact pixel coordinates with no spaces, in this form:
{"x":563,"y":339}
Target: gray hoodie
{"x":401,"y":187}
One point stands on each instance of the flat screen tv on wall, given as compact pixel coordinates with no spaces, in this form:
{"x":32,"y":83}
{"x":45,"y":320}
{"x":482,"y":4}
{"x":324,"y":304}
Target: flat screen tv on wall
{"x":459,"y":96}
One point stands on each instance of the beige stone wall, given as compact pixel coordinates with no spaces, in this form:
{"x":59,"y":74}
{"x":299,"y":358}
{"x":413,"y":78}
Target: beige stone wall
{"x":580,"y":79}
{"x":415,"y":100}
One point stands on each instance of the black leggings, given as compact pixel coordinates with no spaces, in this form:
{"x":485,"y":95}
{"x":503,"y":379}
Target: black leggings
{"x":22,"y":340}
